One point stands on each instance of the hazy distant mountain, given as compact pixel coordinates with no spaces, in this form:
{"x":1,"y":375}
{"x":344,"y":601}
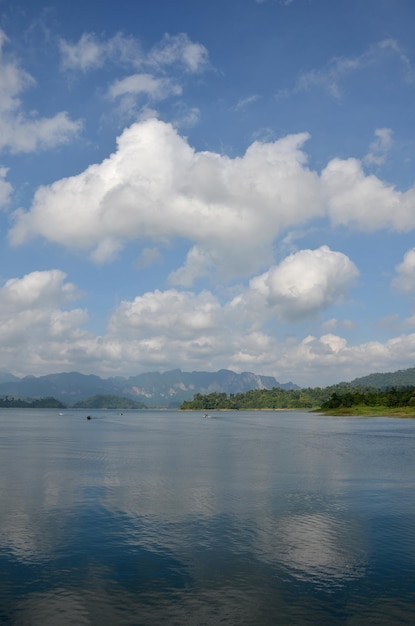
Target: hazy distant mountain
{"x":153,"y":388}
{"x":400,"y":378}
{"x":5,"y":377}
{"x":105,"y":401}
{"x":67,"y":387}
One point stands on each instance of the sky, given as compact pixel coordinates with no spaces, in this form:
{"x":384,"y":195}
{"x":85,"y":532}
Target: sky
{"x":207,"y":184}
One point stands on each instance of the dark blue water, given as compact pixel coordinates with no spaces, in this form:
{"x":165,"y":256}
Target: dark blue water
{"x":169,"y":518}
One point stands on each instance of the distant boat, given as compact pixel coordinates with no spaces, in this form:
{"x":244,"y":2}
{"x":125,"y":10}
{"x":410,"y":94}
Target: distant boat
{"x":60,"y":413}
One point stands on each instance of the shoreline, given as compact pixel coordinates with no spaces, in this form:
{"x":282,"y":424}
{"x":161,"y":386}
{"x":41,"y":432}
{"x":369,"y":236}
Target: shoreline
{"x":366,"y":411}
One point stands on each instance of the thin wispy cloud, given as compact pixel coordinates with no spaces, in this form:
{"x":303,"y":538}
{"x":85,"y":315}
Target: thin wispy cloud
{"x":332,"y":76}
{"x":245,"y":102}
{"x":380,"y":147}
{"x":19,"y":131}
{"x":91,"y":52}
{"x":148,"y":85}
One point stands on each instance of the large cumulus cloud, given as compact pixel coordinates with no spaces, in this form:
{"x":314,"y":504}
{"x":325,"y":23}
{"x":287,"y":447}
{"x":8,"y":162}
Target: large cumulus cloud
{"x":155,"y":186}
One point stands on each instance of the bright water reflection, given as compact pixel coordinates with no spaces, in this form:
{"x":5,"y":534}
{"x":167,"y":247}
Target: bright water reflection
{"x":166,"y":517}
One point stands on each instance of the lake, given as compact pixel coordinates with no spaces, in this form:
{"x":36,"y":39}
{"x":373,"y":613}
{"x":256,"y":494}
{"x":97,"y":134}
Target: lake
{"x":243,"y":518}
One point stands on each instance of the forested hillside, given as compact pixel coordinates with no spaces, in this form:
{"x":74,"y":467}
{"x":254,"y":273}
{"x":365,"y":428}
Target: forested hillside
{"x":400,"y":378}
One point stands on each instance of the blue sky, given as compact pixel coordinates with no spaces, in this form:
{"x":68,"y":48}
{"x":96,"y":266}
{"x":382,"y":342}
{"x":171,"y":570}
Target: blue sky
{"x":206,"y":185}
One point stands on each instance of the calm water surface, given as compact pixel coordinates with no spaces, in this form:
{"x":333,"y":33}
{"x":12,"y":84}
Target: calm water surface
{"x":245,"y":518}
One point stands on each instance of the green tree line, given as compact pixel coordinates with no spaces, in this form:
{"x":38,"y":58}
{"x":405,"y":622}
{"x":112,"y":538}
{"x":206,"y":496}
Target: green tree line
{"x":99,"y":401}
{"x":275,"y":398}
{"x":391,"y":398}
{"x":334,"y":397}
{"x":37,"y":403}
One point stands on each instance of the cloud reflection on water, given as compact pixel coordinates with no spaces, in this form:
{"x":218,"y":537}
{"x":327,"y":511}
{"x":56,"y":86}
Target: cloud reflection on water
{"x":320,"y":547}
{"x":218,"y":518}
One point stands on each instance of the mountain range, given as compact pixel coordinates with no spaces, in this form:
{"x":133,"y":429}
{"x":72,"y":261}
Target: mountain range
{"x":168,"y":389}
{"x":152,"y":389}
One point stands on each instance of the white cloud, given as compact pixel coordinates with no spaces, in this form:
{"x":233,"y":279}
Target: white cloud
{"x":405,"y":278}
{"x":40,"y":334}
{"x":158,"y":329}
{"x":18,"y":132}
{"x":35,"y":320}
{"x":182,"y":329}
{"x":365,"y":202}
{"x":179,"y":49}
{"x":21,"y":134}
{"x":138,"y":91}
{"x":90,"y":52}
{"x":155,"y":186}
{"x":334,"y":323}
{"x":172,"y":314}
{"x":196,"y":330}
{"x":380,"y":147}
{"x":198,"y":263}
{"x":156,"y":88}
{"x":44,"y":289}
{"x":208,"y":337}
{"x":86,"y":54}
{"x":13,"y":80}
{"x":306,"y":282}
{"x":5,"y":188}
{"x":315,"y":357}
{"x":175,"y":53}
